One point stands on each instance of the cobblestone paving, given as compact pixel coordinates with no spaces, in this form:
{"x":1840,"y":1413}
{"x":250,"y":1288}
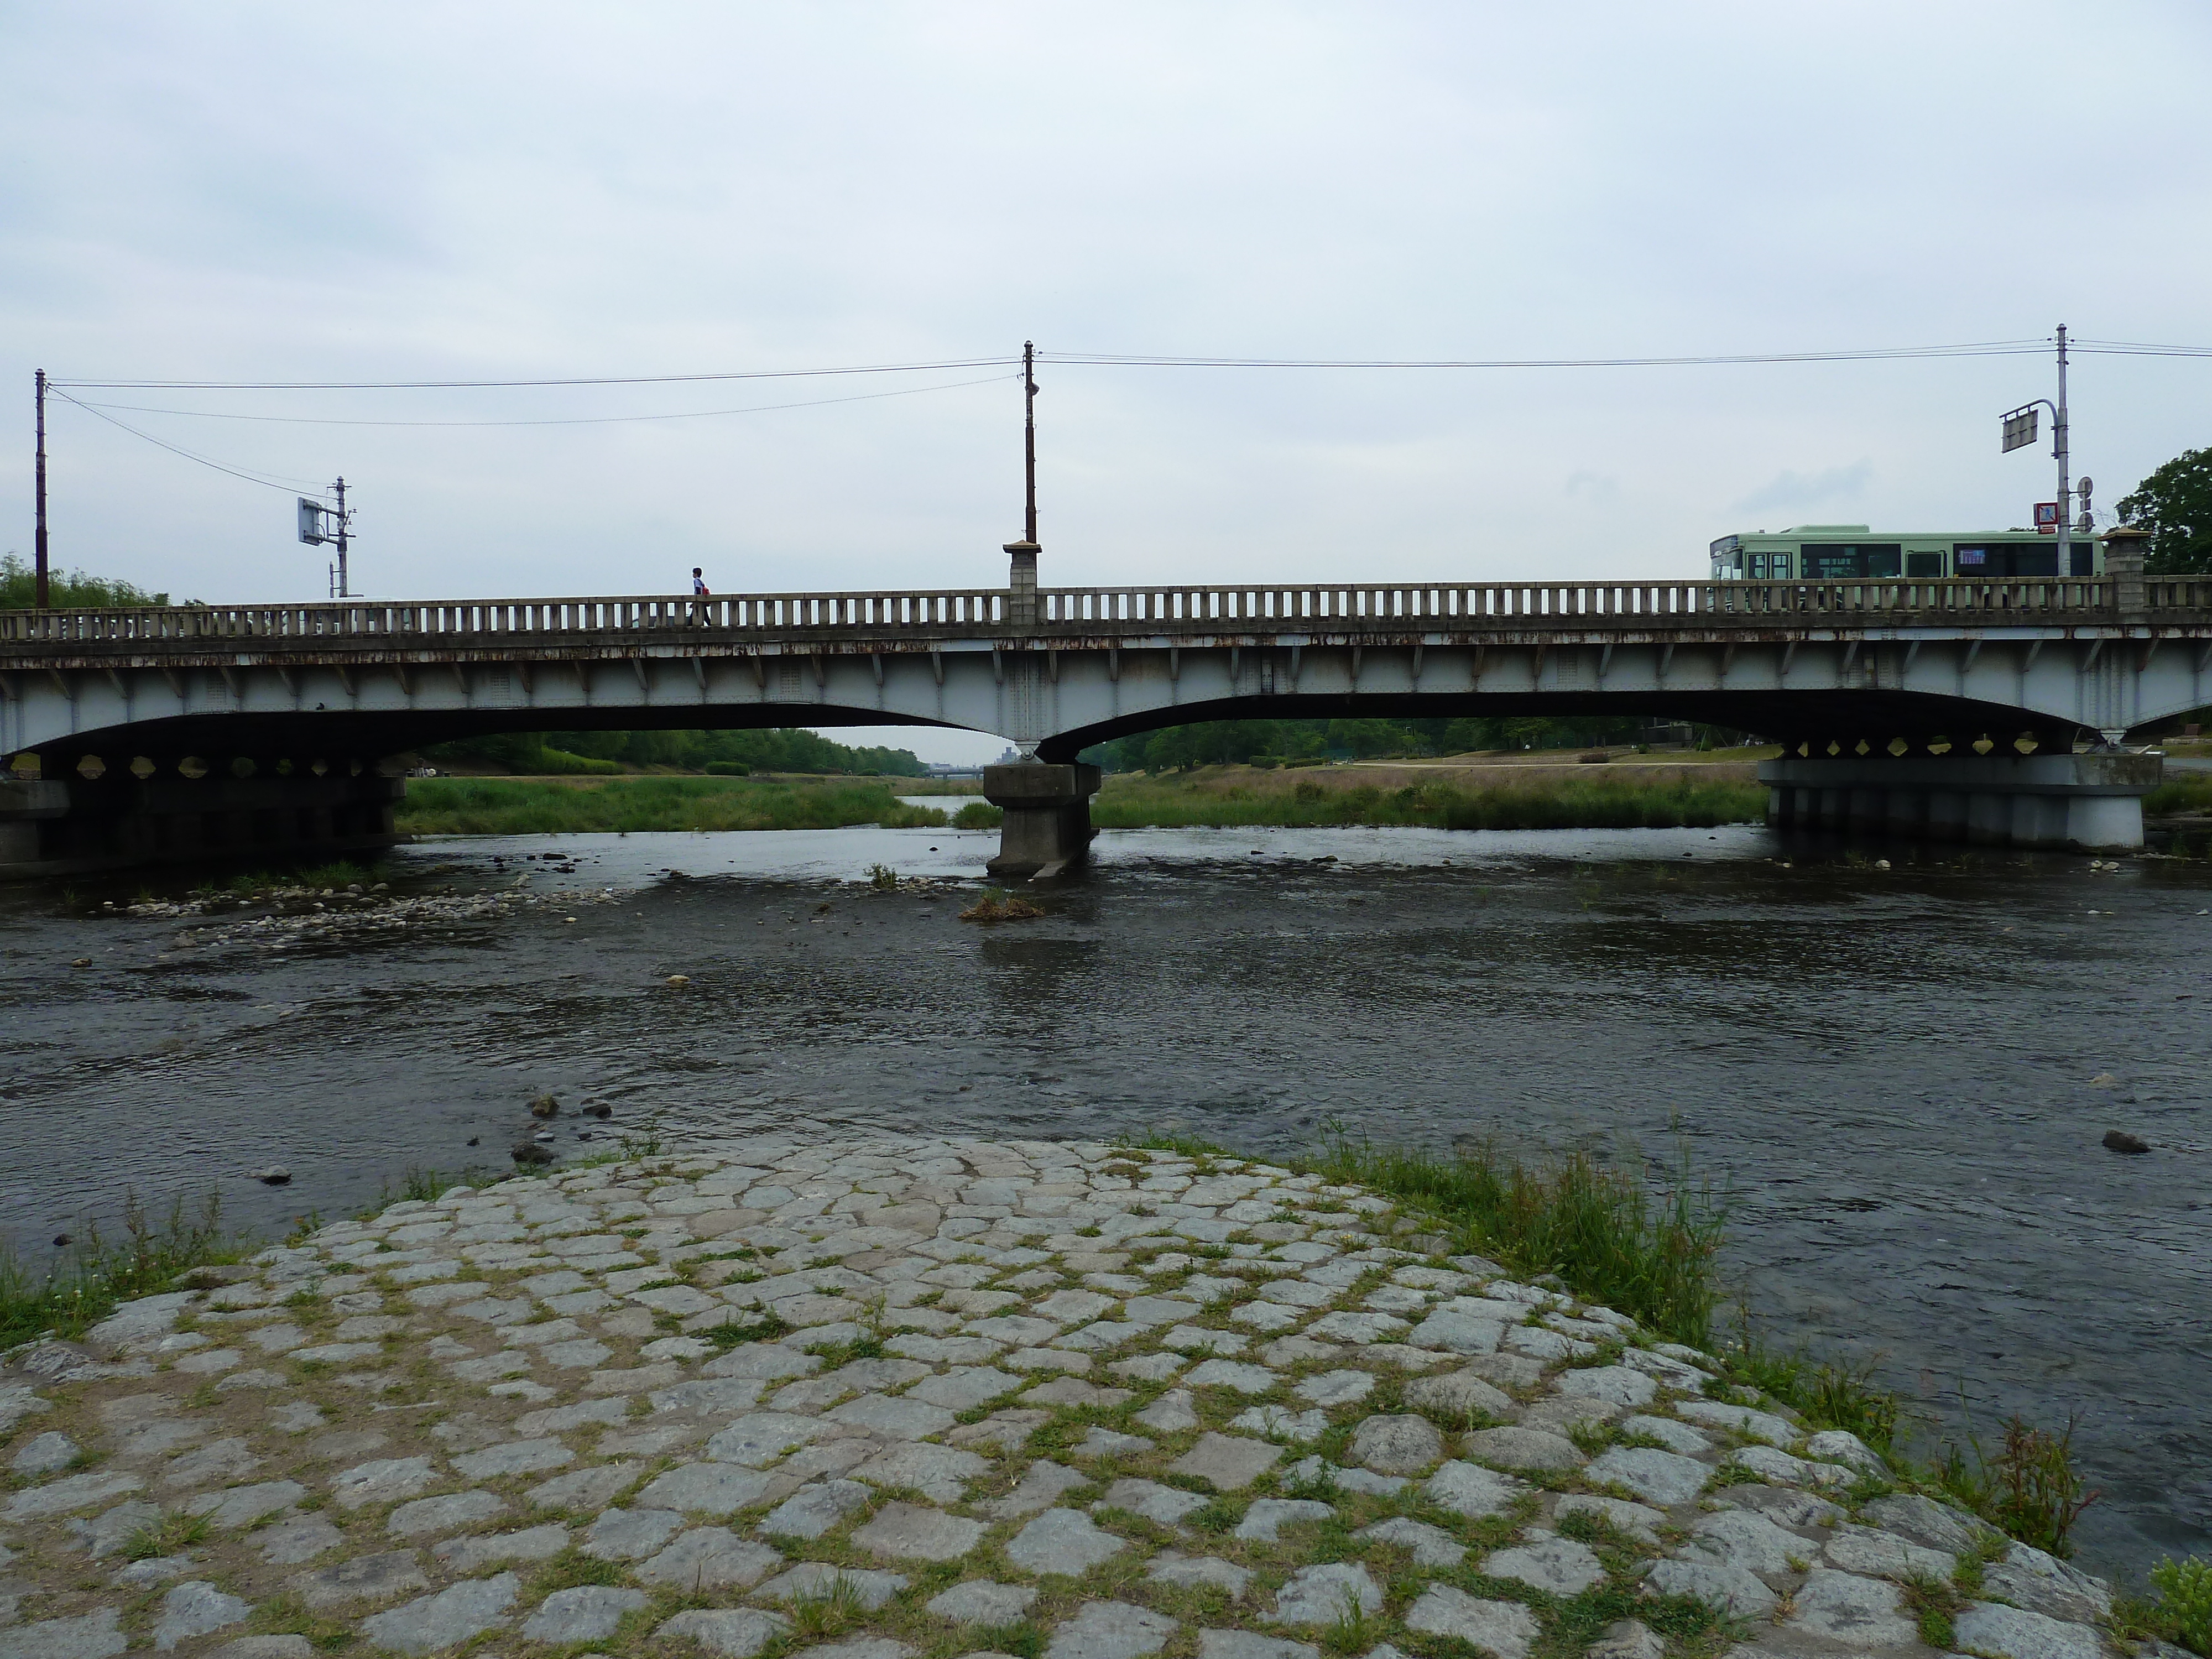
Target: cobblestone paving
{"x":931,"y":1398}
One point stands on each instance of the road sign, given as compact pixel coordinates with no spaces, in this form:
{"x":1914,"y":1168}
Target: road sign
{"x":2047,"y":515}
{"x":311,"y":522}
{"x":2020,"y":428}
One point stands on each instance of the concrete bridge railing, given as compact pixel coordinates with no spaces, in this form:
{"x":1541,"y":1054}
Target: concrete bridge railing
{"x":1388,"y":608}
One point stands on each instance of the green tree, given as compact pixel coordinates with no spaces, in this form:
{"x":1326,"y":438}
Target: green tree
{"x":19,"y":587}
{"x":2175,"y":504}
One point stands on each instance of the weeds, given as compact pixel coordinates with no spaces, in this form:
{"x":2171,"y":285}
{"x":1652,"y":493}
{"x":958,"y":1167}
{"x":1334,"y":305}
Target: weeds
{"x":766,"y":1329}
{"x":999,"y":905}
{"x":2030,"y":1490}
{"x":104,"y":1270}
{"x":1829,"y":1394}
{"x":818,"y":1617}
{"x":883,"y":877}
{"x":1648,"y":1255}
{"x":170,"y":1536}
{"x":2184,"y":1590}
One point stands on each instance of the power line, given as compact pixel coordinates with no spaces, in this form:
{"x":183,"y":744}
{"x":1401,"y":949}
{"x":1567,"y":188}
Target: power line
{"x":465,"y":386}
{"x":576,"y":420}
{"x":288,"y":486}
{"x":1883,"y":353}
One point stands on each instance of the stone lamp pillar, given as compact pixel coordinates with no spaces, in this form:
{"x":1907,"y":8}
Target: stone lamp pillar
{"x":2125,"y":547}
{"x":1021,"y":584}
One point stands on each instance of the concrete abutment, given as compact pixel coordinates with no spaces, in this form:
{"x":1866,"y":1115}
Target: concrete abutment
{"x":1048,"y":828}
{"x":2089,"y":801}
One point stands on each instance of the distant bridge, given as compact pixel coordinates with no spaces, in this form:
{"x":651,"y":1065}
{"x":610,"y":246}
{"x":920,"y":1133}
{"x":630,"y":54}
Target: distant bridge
{"x":177,"y":730}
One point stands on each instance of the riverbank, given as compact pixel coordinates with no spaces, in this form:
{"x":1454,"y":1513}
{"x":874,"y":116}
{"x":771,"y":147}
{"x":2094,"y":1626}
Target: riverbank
{"x":1029,"y":1396}
{"x":569,"y":806}
{"x":1501,"y":796}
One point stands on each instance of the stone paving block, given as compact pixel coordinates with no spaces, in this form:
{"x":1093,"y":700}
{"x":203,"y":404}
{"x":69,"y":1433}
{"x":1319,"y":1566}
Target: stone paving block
{"x":1267,"y":1317}
{"x":1231,"y":1374}
{"x":1358,"y":1328}
{"x":1662,"y":1478}
{"x":1738,"y":1538}
{"x":814,"y":1510}
{"x":381,"y":1481}
{"x":763,"y":1436}
{"x":1504,"y":1628}
{"x":1280,"y":1423}
{"x":1009,"y":1431}
{"x":1785,"y":1504}
{"x":44,"y":1454}
{"x":76,"y":1491}
{"x":914,"y":1532}
{"x":1248,"y":1644}
{"x":858,"y":1647}
{"x":1230,"y":1462}
{"x":1264,"y":1520}
{"x":1726,"y":1587}
{"x":1110,"y":1443}
{"x":981,"y":1602}
{"x":1074,"y":1391}
{"x":732,"y":1632}
{"x":1759,"y":1426}
{"x":1039,"y":1488}
{"x":816,"y":1581}
{"x":1616,"y":1385}
{"x":709,"y":1489}
{"x":194,"y":1609}
{"x":1321,"y":1595}
{"x":709,"y":1558}
{"x":586,"y":1613}
{"x":265,"y":1647}
{"x":1148,"y":1367}
{"x":1173,"y":1413}
{"x":1355,"y":1480}
{"x":706,"y":1394}
{"x":95,"y":1635}
{"x":460,"y":1509}
{"x":434,"y":1623}
{"x":1062,"y":1541}
{"x":894,"y":1417}
{"x":1471,"y":1491}
{"x":1430,"y":1546}
{"x":469,"y":1555}
{"x":964,"y":1387}
{"x":1195,"y":1339}
{"x":630,"y":1535}
{"x":2028,"y":1577}
{"x":1046,"y":1359}
{"x":1110,"y":1629}
{"x":1333,"y":1389}
{"x":1547,"y":1562}
{"x":765,"y":1362}
{"x":1197,"y":1572}
{"x":1518,"y":1448}
{"x":586,"y":1489}
{"x":241,"y":1506}
{"x":1165,"y":1506}
{"x":1844,"y":1607}
{"x":1456,"y":1333}
{"x":297,"y":1538}
{"x":941,"y":1474}
{"x":1675,"y":1436}
{"x":2016,"y":1633}
{"x":1397,"y":1444}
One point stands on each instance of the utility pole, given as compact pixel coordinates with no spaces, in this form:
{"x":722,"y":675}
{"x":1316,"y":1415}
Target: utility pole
{"x":39,"y":535}
{"x":2058,"y":449}
{"x":1029,"y":435}
{"x":341,"y":592}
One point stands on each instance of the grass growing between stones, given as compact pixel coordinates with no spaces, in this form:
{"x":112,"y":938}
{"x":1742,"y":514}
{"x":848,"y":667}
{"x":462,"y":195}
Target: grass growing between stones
{"x":1246,"y":798}
{"x":517,"y":806}
{"x":104,"y":1270}
{"x":1608,"y":1236}
{"x":2184,"y":1590}
{"x":2027,"y":1488}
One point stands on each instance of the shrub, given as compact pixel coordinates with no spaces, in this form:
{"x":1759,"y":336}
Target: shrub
{"x":2186,"y":1587}
{"x":979,"y":815}
{"x":726,"y":769}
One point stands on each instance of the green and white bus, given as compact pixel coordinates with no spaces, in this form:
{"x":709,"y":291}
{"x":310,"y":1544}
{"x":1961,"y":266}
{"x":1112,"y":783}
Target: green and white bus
{"x":1854,"y":552}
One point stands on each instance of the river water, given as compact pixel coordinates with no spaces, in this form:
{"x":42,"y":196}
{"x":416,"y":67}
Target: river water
{"x":1901,"y":1076}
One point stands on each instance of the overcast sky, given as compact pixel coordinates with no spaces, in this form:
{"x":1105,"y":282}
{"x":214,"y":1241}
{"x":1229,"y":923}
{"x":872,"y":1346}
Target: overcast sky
{"x":357,"y":193}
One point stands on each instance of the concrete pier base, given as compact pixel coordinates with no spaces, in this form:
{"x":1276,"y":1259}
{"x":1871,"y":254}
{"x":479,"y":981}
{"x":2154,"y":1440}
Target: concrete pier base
{"x":74,"y":826}
{"x":1048,"y":827}
{"x":2093,"y":800}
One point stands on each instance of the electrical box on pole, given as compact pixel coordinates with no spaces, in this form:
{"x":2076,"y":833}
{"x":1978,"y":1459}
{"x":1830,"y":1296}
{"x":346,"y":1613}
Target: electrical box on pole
{"x":321,"y":524}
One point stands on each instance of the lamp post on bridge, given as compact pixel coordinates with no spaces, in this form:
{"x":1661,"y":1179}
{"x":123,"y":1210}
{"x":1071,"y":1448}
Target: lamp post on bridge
{"x":1022,"y":555}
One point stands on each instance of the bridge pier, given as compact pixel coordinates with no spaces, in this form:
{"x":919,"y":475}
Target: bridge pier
{"x":2093,"y":800}
{"x":75,"y":825}
{"x":1048,"y":825}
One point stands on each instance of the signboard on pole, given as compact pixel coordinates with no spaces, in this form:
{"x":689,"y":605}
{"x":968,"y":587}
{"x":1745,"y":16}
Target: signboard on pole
{"x":2020,"y":428}
{"x":311,"y":522}
{"x":2047,"y":515}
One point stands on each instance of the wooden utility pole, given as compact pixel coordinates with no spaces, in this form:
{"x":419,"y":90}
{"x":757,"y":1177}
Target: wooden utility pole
{"x":39,"y":535}
{"x":1029,"y":437}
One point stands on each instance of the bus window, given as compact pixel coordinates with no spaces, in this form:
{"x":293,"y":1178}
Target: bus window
{"x":1924,"y":564}
{"x":1759,"y":566}
{"x":1849,"y":562}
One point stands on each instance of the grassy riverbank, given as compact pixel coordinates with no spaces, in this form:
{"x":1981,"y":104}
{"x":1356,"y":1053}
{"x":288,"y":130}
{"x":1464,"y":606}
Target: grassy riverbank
{"x":1241,"y":796}
{"x":528,"y":806}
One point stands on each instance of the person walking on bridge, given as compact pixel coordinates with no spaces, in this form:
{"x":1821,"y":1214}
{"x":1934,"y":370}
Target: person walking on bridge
{"x":699,"y":590}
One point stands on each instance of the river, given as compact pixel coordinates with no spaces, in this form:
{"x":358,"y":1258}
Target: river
{"x":1902,"y":1076}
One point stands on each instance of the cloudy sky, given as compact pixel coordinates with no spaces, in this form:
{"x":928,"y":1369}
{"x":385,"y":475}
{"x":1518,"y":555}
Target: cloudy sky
{"x":412,"y":191}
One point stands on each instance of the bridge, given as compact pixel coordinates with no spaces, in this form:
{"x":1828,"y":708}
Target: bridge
{"x":1944,"y":707}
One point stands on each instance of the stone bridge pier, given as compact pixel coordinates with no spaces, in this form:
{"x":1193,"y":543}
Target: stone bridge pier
{"x":2092,"y":801}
